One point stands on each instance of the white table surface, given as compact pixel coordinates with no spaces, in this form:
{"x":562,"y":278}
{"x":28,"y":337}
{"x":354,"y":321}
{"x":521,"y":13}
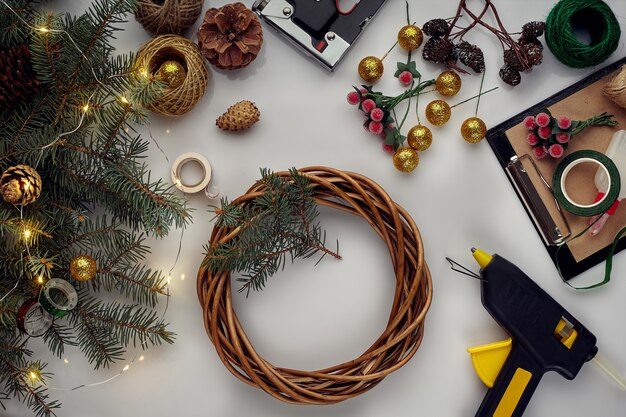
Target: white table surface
{"x":311,"y":317}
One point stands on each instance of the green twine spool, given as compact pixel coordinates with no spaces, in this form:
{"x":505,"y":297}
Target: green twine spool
{"x":597,"y":17}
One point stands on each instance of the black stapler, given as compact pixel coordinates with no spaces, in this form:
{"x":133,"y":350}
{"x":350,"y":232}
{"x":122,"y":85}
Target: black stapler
{"x":319,"y":27}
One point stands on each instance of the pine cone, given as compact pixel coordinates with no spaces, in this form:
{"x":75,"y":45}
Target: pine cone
{"x":439,"y":50}
{"x":20,"y":185}
{"x":524,"y":40}
{"x":512,"y":59}
{"x":230,"y":37}
{"x":436,"y":27}
{"x":510,"y":75}
{"x":471,"y":56}
{"x":239,"y":116}
{"x":532,"y":30}
{"x":18,"y":82}
{"x":534,"y":53}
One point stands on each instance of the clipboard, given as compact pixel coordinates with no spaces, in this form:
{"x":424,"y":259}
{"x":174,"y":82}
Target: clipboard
{"x":584,"y":98}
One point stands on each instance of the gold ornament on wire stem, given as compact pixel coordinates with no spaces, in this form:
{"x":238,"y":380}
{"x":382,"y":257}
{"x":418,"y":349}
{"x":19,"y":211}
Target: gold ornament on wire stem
{"x":410,"y":37}
{"x":473,"y":130}
{"x":438,"y":112}
{"x":371,"y":69}
{"x":419,"y":137}
{"x":406,"y":159}
{"x":448,"y":83}
{"x":83,"y":268}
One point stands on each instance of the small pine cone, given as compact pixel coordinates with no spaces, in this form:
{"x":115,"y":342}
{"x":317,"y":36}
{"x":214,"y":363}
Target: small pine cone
{"x":18,"y":82}
{"x":471,"y":56}
{"x":510,"y":75}
{"x":239,"y":116}
{"x":20,"y":185}
{"x":436,"y":27}
{"x":439,"y":50}
{"x":524,"y":40}
{"x":512,"y":60}
{"x":532,"y":30}
{"x":534,"y":53}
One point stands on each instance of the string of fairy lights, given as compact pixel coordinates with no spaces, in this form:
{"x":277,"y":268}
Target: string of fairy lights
{"x":28,"y":233}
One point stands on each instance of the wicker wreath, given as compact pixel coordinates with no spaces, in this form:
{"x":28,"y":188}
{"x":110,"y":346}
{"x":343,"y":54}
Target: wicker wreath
{"x":179,"y":100}
{"x":358,"y":195}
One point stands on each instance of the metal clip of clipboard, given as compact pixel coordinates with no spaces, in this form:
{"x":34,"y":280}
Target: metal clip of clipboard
{"x":520,"y":169}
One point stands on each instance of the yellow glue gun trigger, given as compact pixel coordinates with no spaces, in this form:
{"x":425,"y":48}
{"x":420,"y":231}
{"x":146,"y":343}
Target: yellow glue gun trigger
{"x":489,"y":359}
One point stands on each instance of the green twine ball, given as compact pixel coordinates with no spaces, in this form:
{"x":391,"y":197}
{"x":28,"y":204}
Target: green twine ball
{"x":597,"y":17}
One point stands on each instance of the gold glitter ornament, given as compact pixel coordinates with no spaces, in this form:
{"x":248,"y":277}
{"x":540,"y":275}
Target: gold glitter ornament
{"x":473,"y":130}
{"x":83,"y":268}
{"x":371,"y":69}
{"x":172,"y":73}
{"x":419,"y":137}
{"x":410,"y":37}
{"x":448,"y":83}
{"x":406,"y":159}
{"x":438,"y":112}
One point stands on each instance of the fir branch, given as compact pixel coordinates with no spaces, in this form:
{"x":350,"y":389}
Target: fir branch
{"x":279,"y":222}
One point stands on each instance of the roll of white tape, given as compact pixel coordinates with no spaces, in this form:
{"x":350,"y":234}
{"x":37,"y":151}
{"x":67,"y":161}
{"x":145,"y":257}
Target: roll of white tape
{"x":180,"y":162}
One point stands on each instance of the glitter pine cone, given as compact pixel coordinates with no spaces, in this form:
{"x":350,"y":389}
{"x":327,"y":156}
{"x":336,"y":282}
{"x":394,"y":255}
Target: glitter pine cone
{"x":549,"y":135}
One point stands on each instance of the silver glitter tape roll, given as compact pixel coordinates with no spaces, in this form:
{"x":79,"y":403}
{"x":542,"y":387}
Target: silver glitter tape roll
{"x":53,"y":306}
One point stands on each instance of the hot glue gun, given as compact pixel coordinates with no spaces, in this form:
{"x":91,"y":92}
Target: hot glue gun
{"x":543,"y":337}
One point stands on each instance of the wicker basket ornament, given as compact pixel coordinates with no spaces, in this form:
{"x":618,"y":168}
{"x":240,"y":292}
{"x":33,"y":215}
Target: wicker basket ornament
{"x":161,"y":17}
{"x":358,"y":195}
{"x":179,"y":100}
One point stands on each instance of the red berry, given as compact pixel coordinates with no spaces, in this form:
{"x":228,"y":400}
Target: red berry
{"x":529,"y":122}
{"x":353,"y":98}
{"x":562,"y":137}
{"x":532,"y":139}
{"x":542,"y":119}
{"x":556,"y":150}
{"x":564,"y":122}
{"x":377,"y":115}
{"x":387,"y":148}
{"x":376,"y":128}
{"x":539,"y":152}
{"x":405,"y":78}
{"x":368,"y":105}
{"x":544,"y":132}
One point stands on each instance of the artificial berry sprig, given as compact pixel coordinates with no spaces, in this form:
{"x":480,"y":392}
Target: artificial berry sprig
{"x":550,"y":135}
{"x":447,"y":46}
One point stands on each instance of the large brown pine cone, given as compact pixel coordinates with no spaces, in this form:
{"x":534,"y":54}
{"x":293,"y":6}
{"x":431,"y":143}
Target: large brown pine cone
{"x":230,"y":37}
{"x":18,"y":82}
{"x":20,"y":185}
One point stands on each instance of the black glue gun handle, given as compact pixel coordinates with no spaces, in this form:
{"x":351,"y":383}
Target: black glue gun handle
{"x":513,"y":387}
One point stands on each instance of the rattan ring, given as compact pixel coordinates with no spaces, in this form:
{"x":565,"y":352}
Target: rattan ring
{"x":179,"y":100}
{"x":358,"y":195}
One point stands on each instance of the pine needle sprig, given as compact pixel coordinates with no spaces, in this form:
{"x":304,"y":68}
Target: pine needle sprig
{"x":278,"y":224}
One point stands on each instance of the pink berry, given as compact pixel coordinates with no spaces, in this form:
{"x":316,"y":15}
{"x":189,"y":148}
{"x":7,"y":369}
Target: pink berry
{"x":363,"y":91}
{"x":542,"y":119}
{"x":556,"y":150}
{"x":562,"y":137}
{"x":368,"y":105}
{"x":405,"y":78}
{"x":564,"y":122}
{"x":532,"y":139}
{"x":377,"y":115}
{"x":353,"y":98}
{"x":529,"y":122}
{"x":387,"y":148}
{"x":539,"y":152}
{"x":544,"y":132}
{"x":376,"y":128}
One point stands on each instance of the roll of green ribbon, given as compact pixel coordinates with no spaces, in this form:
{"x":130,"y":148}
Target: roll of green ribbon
{"x":594,"y":15}
{"x":565,"y":167}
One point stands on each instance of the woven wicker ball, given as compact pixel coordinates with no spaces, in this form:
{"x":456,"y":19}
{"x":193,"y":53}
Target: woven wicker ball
{"x":179,"y":100}
{"x":358,"y":195}
{"x":168,"y":16}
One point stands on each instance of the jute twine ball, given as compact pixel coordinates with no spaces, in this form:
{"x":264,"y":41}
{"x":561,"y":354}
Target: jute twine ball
{"x":615,"y":89}
{"x":168,"y":16}
{"x":354,"y":194}
{"x":179,"y":100}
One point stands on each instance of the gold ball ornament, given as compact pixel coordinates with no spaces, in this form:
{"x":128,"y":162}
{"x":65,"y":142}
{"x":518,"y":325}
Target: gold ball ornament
{"x":448,"y":83}
{"x":419,"y":137}
{"x":371,"y":69}
{"x":172,"y":73}
{"x":20,"y":185}
{"x":406,"y":159}
{"x":438,"y":112}
{"x":83,"y":268}
{"x":410,"y":37}
{"x":473,"y":130}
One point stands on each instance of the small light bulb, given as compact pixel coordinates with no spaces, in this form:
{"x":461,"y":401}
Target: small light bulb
{"x":66,"y":361}
{"x":141,"y":358}
{"x":124,"y":100}
{"x":43,"y":29}
{"x":182,"y":277}
{"x":40,"y":279}
{"x":169,"y":279}
{"x":167,"y":131}
{"x":34,"y":376}
{"x":86,"y":107}
{"x":144,"y":72}
{"x":126,"y":368}
{"x":27,"y":233}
